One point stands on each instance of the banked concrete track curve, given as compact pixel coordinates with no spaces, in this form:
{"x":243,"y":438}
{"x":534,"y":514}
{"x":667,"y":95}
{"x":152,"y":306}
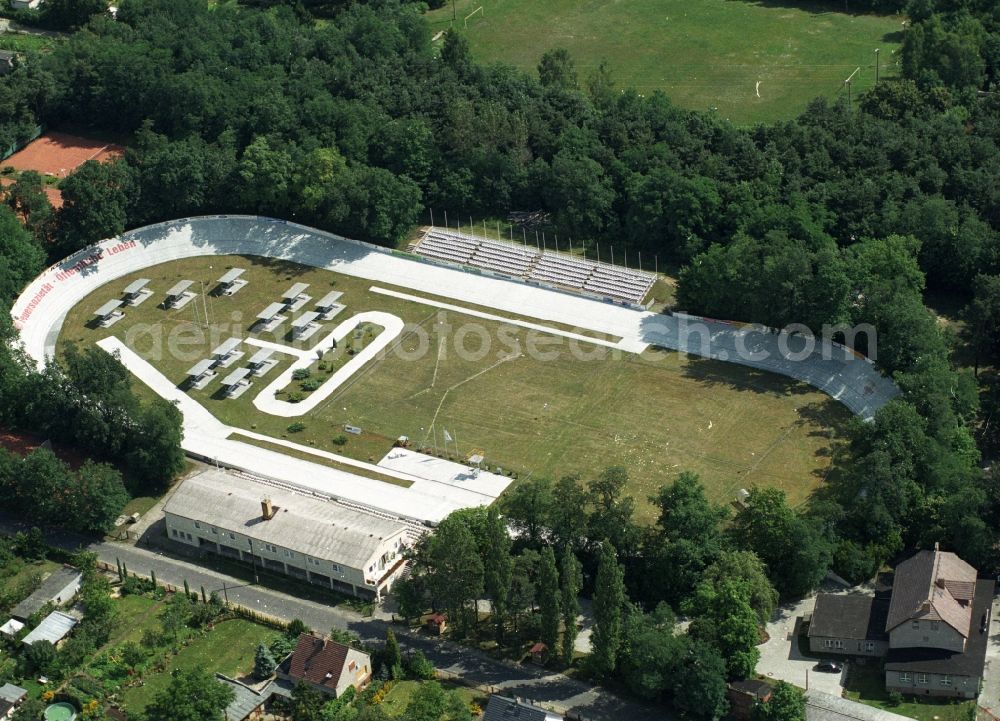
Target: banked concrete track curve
{"x":40,"y":310}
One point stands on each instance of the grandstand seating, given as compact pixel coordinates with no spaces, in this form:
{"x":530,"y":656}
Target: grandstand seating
{"x":517,"y":261}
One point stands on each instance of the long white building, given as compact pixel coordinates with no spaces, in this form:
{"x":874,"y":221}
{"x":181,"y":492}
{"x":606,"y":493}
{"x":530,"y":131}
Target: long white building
{"x":312,"y":539}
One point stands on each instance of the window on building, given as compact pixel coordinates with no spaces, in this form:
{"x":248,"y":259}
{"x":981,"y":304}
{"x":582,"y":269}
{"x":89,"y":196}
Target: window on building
{"x":828,"y":643}
{"x":838,"y":643}
{"x":197,"y":525}
{"x":289,"y":554}
{"x":904,"y":677}
{"x":934,"y":625}
{"x":870,"y":646}
{"x":190,"y":537}
{"x":232,"y":536}
{"x":922,"y":679}
{"x":946,"y":680}
{"x":335,"y":568}
{"x":215,"y":532}
{"x":270,"y":548}
{"x":916,"y":624}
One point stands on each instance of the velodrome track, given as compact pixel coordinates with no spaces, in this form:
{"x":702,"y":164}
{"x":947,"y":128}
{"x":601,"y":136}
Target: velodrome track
{"x":40,"y":310}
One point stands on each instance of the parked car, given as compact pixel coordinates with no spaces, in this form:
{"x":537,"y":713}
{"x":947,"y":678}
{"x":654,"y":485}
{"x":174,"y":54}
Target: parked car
{"x":829,"y":666}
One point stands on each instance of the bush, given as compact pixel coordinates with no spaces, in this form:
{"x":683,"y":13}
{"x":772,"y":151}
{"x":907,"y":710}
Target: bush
{"x":895,"y":698}
{"x":311,"y":384}
{"x":418,"y":667}
{"x":340,"y":440}
{"x":295,"y":397}
{"x":296,"y":427}
{"x":301,"y":374}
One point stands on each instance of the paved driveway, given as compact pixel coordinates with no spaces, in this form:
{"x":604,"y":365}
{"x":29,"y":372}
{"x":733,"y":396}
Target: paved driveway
{"x":780,"y":657}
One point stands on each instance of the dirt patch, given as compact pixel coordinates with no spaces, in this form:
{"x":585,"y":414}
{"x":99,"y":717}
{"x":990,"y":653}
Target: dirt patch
{"x":60,"y":154}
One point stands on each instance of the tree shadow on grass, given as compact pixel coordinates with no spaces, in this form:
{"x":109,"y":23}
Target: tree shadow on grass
{"x":820,"y":7}
{"x":713,"y":373}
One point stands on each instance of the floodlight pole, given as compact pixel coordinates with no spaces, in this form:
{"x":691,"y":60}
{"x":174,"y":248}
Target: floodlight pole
{"x":848,"y":84}
{"x":876,"y":66}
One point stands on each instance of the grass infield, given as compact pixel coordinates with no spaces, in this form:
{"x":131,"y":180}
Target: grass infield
{"x":656,"y":414}
{"x":705,"y":54}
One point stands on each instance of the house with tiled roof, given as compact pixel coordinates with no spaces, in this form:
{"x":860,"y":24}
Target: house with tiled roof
{"x":326,"y":665}
{"x":932,"y":635}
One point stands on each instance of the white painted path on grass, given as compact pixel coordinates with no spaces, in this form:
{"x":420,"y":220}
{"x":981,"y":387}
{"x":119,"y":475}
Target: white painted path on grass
{"x":427,"y":499}
{"x":265,"y":400}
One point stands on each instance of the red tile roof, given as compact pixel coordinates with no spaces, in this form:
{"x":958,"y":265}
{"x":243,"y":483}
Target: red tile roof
{"x":317,"y":660}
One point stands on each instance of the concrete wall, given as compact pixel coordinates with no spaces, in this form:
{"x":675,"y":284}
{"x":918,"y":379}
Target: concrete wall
{"x":848,"y":646}
{"x":932,"y":684}
{"x":926,"y":634}
{"x":328,"y":571}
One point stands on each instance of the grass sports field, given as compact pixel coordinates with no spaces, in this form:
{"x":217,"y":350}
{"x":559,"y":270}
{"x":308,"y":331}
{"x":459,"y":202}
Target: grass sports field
{"x":704,"y":54}
{"x":656,"y":414}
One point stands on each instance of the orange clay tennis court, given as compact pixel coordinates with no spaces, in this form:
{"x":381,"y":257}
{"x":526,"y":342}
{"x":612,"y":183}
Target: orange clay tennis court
{"x":60,"y":154}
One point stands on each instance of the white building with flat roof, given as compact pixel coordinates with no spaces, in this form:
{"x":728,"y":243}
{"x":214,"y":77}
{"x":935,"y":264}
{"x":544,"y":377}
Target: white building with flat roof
{"x":316,"y":540}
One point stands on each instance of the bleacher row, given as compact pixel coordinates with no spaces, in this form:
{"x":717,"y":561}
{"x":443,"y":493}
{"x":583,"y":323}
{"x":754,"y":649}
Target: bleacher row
{"x":524,"y":262}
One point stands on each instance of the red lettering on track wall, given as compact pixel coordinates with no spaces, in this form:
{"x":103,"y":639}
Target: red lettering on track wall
{"x":68,"y":273}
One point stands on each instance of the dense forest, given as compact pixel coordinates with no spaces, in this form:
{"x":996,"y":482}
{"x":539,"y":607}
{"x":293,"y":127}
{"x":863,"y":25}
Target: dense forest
{"x":357,"y":123}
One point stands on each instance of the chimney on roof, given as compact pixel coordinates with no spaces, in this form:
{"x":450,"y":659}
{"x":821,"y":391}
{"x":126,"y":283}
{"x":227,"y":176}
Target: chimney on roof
{"x":267,"y":510}
{"x":937,"y":546}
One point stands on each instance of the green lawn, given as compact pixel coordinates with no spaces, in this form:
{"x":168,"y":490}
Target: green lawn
{"x":399,"y":696}
{"x":655,"y":414}
{"x":24,"y":43}
{"x":704,"y":54}
{"x":135,"y":615}
{"x":228,"y":648}
{"x":867,"y":685}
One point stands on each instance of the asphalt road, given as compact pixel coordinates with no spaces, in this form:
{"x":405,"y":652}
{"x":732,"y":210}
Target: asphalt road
{"x":553,"y":690}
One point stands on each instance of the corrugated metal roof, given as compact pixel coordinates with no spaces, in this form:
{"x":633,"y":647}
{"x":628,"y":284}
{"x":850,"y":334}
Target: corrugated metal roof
{"x":180,"y":287}
{"x":295,"y":291}
{"x":329,"y":299}
{"x":272,"y":310}
{"x":314,"y":527}
{"x":136,"y":285}
{"x":262,"y":355}
{"x":227,"y":346}
{"x":12,"y":693}
{"x":245,"y":699}
{"x":201,"y":367}
{"x":231,"y":275}
{"x":60,"y":585}
{"x":108,"y":308}
{"x":236,"y":376}
{"x":53,"y":629}
{"x":305,"y":319}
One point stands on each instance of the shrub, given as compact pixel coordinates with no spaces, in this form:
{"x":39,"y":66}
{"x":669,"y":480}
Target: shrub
{"x":895,"y":698}
{"x":296,"y":427}
{"x":418,"y":667}
{"x":340,"y":440}
{"x":301,"y":374}
{"x":311,"y":384}
{"x":295,"y":397}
